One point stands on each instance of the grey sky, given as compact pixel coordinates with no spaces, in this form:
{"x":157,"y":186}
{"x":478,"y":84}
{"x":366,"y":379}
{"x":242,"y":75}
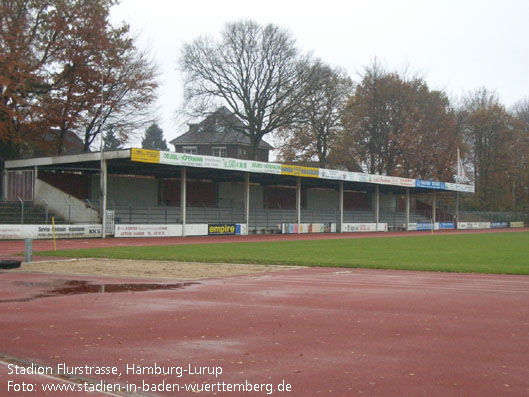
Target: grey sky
{"x":456,"y":46}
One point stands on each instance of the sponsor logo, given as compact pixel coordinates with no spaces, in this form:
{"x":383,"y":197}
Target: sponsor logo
{"x":222,"y":229}
{"x":145,"y":155}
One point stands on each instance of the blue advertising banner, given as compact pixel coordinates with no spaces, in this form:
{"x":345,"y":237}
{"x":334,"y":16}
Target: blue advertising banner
{"x":430,"y":184}
{"x":499,"y":225}
{"x":446,"y":225}
{"x":424,"y":226}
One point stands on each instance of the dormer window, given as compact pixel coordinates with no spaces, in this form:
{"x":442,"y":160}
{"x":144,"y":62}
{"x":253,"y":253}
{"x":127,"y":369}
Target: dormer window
{"x":219,"y":151}
{"x":190,"y":149}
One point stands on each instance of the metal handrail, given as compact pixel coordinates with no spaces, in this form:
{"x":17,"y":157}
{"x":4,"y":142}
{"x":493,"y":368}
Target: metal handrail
{"x":22,"y":210}
{"x":47,"y":205}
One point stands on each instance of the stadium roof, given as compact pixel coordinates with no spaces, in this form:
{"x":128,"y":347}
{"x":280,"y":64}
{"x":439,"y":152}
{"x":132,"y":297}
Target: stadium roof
{"x":161,"y":163}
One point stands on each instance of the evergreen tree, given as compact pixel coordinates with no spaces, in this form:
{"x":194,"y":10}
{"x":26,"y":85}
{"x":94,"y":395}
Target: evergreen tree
{"x":154,"y":139}
{"x":111,"y":141}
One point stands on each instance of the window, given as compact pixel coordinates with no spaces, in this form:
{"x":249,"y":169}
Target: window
{"x":242,"y":151}
{"x":190,"y":150}
{"x":220,"y":151}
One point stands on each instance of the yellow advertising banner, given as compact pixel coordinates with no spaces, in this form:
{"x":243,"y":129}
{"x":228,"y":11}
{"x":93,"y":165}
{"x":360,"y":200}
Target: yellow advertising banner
{"x":145,"y":155}
{"x":300,"y":171}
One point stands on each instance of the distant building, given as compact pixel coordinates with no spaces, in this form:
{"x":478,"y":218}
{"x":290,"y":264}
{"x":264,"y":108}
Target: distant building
{"x":217,"y":136}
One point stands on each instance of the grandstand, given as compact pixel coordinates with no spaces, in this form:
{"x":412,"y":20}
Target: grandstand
{"x":189,"y":192}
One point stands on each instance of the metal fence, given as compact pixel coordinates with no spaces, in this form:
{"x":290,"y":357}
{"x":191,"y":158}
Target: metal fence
{"x":480,"y":216}
{"x":261,"y":219}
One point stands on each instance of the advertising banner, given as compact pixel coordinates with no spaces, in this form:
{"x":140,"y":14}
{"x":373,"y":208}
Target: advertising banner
{"x":45,"y":231}
{"x":222,"y":229}
{"x":499,"y":225}
{"x":226,"y":229}
{"x":296,"y":170}
{"x":516,"y":224}
{"x":147,"y":230}
{"x":333,"y":174}
{"x":392,"y":180}
{"x":446,"y":225}
{"x":424,"y":226}
{"x":458,"y":187}
{"x":145,"y":155}
{"x":9,"y":232}
{"x":191,"y":160}
{"x":429,"y":184}
{"x":473,"y":225}
{"x":292,"y":228}
{"x":364,"y":227}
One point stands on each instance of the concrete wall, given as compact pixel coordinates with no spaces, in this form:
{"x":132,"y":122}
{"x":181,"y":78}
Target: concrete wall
{"x":231,"y":194}
{"x":388,"y":202}
{"x":123,"y":190}
{"x":324,"y":199}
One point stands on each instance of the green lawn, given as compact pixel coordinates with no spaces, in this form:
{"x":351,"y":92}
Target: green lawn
{"x":480,"y":253}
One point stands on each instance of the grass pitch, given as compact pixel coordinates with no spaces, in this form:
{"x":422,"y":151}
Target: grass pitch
{"x":470,"y":253}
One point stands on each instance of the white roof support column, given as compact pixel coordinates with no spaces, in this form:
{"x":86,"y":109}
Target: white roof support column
{"x":103,"y":194}
{"x":183,"y":198}
{"x":340,"y":207}
{"x":434,"y":207}
{"x":4,"y":184}
{"x":457,"y":210}
{"x":407,"y":209}
{"x":377,"y":205}
{"x":298,"y":203}
{"x":247,"y":201}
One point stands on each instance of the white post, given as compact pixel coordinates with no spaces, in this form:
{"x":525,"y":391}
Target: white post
{"x":340,"y":207}
{"x":35,"y":177}
{"x":103,"y":181}
{"x":457,"y":210}
{"x":4,"y":181}
{"x":103,"y":188}
{"x":377,"y":205}
{"x":298,"y":202}
{"x":183,"y":198}
{"x":434,"y":207}
{"x":247,"y":201}
{"x":407,"y":209}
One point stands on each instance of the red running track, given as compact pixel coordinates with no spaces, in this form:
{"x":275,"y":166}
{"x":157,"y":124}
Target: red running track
{"x":323,"y":331}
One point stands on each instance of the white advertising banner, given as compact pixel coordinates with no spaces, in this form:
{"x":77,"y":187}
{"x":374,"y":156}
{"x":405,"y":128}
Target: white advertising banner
{"x":473,"y":225}
{"x":364,"y":227}
{"x":147,"y":230}
{"x":193,"y":160}
{"x":173,"y":230}
{"x":46,"y":232}
{"x":392,"y":180}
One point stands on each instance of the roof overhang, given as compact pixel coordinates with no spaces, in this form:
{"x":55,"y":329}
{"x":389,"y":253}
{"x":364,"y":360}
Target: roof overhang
{"x":169,"y":164}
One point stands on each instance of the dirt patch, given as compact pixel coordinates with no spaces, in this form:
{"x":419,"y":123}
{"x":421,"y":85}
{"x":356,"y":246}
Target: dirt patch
{"x":147,"y":269}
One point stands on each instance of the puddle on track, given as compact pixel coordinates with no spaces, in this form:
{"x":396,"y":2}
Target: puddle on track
{"x":77,"y":287}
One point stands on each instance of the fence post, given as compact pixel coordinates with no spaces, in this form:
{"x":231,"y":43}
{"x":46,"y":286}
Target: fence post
{"x":28,"y":250}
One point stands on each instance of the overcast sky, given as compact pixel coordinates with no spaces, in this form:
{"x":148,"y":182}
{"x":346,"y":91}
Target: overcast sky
{"x":456,"y":45}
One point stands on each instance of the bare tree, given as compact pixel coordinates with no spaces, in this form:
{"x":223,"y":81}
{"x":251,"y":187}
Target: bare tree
{"x":314,"y":137}
{"x":255,"y":71}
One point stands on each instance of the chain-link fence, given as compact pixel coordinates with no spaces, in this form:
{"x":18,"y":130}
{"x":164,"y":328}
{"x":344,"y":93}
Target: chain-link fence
{"x":261,"y":219}
{"x":41,"y":213}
